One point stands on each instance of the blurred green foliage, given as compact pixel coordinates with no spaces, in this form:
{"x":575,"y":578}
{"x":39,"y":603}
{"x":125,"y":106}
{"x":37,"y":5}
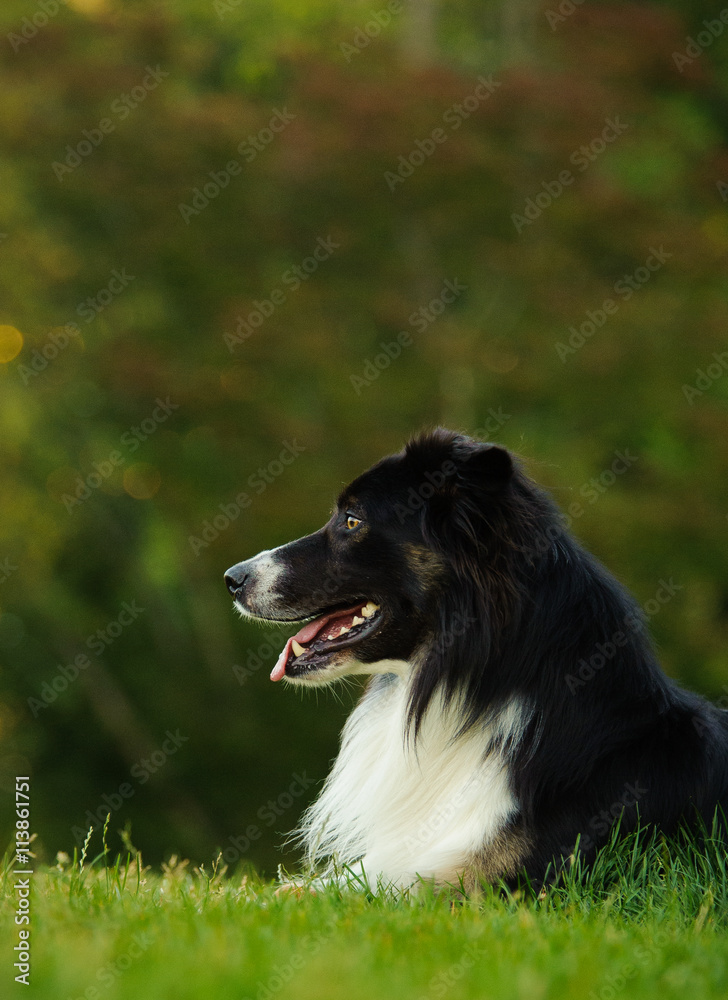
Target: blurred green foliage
{"x":136,"y":296}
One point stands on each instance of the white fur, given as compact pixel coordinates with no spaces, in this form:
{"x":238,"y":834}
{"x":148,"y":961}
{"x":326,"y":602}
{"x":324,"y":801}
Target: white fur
{"x":267,"y":573}
{"x":348,"y":666}
{"x":398,"y":811}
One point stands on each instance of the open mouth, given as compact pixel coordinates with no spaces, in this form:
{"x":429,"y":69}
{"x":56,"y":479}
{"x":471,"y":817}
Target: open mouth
{"x":310,"y":648}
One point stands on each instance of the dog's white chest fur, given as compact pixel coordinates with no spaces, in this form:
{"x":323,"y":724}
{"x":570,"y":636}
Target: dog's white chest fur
{"x":402,"y":811}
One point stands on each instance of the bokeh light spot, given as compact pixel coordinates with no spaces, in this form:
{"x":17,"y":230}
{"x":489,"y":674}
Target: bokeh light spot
{"x":11,"y":343}
{"x":142,"y":481}
{"x":499,"y":357}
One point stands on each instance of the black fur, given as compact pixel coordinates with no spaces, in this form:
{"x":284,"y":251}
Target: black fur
{"x":513,"y":606}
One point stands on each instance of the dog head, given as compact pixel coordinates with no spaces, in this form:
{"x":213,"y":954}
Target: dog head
{"x":370,"y":580}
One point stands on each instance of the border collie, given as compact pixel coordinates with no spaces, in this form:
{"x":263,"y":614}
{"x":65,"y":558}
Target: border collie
{"x":515,"y":710}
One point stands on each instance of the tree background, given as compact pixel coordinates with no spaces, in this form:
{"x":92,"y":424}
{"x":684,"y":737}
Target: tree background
{"x":357,"y":85}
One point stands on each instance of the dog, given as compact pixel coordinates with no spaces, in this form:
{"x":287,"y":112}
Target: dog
{"x":515,"y":709}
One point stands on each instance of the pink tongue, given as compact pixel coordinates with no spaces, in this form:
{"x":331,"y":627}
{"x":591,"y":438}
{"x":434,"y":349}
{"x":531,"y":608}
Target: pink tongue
{"x":279,"y":670}
{"x":312,"y":629}
{"x":304,"y":635}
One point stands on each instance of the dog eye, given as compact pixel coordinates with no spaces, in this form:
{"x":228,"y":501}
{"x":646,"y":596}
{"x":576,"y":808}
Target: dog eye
{"x":352,"y":522}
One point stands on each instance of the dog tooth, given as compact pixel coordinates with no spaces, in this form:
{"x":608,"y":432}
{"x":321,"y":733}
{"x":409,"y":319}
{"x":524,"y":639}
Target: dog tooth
{"x":297,"y":648}
{"x":342,"y":630}
{"x":357,"y":620}
{"x":369,"y":609}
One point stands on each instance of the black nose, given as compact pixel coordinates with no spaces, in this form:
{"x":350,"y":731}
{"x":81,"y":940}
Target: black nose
{"x":236,"y":577}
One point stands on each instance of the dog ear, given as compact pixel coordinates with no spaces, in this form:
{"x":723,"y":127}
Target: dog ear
{"x":485,"y":466}
{"x":453,"y":464}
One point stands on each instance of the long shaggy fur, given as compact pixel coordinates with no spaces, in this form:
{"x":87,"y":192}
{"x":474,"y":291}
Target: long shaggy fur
{"x":480,"y":745}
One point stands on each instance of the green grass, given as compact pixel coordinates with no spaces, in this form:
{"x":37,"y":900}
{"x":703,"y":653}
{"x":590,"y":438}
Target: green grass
{"x":649,"y":920}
